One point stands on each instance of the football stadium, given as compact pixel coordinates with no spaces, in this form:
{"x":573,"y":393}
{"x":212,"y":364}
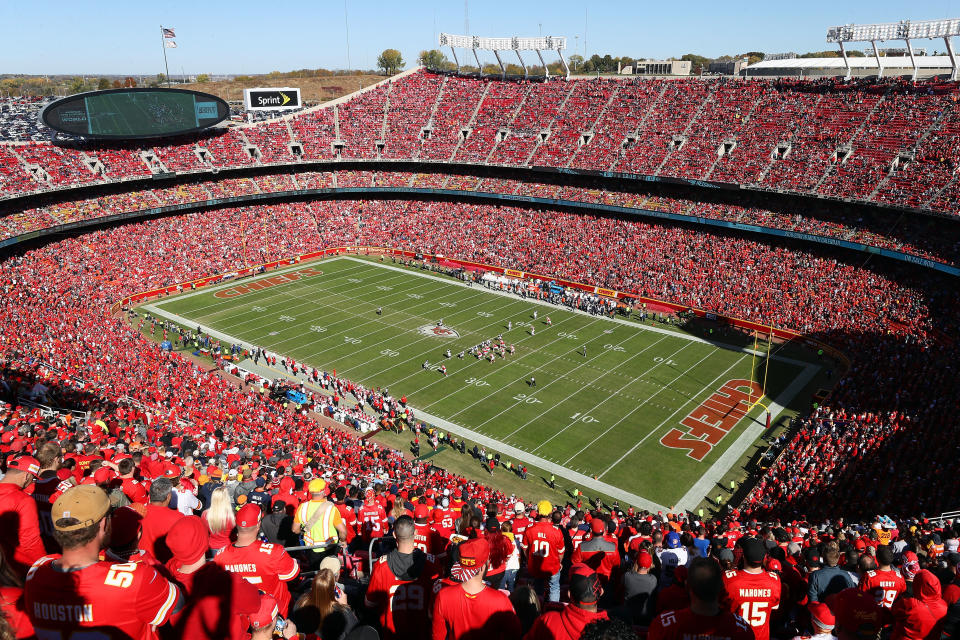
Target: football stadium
{"x":564,"y":348}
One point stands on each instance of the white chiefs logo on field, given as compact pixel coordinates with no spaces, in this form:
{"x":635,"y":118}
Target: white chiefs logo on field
{"x":435,"y":331}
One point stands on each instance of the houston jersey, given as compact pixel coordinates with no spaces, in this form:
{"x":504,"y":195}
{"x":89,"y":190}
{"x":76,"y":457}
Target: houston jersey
{"x":108,"y":600}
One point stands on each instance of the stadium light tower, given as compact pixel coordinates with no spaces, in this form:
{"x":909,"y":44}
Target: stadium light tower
{"x":904,"y":30}
{"x":515,"y":44}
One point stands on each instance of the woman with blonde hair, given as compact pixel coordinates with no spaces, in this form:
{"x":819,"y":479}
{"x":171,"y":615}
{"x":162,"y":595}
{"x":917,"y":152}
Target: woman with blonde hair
{"x":323,"y":610}
{"x":220,"y":519}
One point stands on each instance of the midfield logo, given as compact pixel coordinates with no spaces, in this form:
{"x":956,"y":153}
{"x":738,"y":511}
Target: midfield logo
{"x":438,"y":332}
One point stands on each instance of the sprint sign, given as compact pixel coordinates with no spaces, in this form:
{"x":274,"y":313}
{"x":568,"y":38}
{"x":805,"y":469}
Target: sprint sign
{"x":706,"y":425}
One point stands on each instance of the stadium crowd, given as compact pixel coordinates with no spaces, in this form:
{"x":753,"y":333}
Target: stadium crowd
{"x":889,"y":141}
{"x":188,"y":484}
{"x":916,"y":238}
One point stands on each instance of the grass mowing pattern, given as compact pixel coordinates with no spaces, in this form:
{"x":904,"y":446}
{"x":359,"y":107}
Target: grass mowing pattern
{"x":606,"y":391}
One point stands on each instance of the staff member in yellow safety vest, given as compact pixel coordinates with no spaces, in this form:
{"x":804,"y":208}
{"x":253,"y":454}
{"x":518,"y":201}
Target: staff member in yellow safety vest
{"x":320,"y":523}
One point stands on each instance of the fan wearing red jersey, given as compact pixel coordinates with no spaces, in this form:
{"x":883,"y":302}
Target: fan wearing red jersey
{"x":424,"y":537}
{"x":885,"y":583}
{"x":544,"y":546}
{"x":19,"y":522}
{"x":443,"y":518}
{"x":705,"y":619}
{"x":266,"y":566}
{"x":75,"y":592}
{"x":753,"y":592}
{"x":372,"y":517}
{"x":471,"y":609}
{"x":401,"y":586}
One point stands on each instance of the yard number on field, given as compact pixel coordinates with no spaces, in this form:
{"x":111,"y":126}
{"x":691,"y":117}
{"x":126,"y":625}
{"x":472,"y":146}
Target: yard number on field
{"x":474,"y":382}
{"x":522,"y":397}
{"x":666,"y":361}
{"x":317,"y":328}
{"x":390,"y":352}
{"x":350,"y":340}
{"x":582,"y":417}
{"x":614,"y":347}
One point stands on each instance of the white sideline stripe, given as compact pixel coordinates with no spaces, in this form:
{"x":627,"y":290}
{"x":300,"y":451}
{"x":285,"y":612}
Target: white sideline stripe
{"x":636,"y":325}
{"x":728,"y":458}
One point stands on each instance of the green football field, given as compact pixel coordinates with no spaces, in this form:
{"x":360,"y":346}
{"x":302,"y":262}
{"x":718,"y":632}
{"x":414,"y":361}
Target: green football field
{"x":607,"y":391}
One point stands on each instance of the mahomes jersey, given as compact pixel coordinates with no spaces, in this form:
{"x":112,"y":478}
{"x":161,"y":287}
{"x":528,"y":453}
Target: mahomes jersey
{"x":266,"y":566}
{"x":753,"y":596}
{"x":112,"y":601}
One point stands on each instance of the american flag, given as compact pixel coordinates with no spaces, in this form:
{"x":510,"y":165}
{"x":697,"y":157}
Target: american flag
{"x":168,"y":33}
{"x":170,"y":45}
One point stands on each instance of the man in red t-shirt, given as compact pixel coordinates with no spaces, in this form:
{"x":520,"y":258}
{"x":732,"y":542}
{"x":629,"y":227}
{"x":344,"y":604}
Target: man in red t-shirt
{"x":471,"y":608}
{"x":19,"y":523}
{"x":520,"y":520}
{"x":857,"y":615}
{"x":544,"y":546}
{"x":885,"y":583}
{"x":158,"y":520}
{"x":268,"y":567}
{"x":705,"y":618}
{"x":401,"y":586}
{"x":753,"y":592}
{"x":217,"y":601}
{"x":372,"y":517}
{"x":74,"y":593}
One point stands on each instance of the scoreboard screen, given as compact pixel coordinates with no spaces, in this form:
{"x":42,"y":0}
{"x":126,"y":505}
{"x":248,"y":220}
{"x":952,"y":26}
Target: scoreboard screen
{"x":134,"y":113}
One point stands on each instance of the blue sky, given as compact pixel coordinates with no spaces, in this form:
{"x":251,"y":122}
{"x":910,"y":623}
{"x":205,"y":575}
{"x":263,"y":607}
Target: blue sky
{"x":242,"y":36}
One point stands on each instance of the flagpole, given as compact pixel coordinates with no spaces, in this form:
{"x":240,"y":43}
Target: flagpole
{"x":163,"y":45}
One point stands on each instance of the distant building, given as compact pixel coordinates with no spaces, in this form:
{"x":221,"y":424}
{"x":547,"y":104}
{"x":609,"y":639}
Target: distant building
{"x":662,"y":68}
{"x":728,"y":68}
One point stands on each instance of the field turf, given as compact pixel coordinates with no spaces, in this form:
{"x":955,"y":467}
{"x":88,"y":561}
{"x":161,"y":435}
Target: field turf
{"x":606,"y":391}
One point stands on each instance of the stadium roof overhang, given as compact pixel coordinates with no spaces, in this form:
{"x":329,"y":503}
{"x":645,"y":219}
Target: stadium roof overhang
{"x":906,"y":30}
{"x":930,"y":64}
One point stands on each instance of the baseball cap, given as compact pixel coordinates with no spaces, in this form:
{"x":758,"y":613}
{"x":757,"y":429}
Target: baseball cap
{"x":597,"y":525}
{"x":726,"y":554}
{"x":333,"y":564}
{"x":753,"y":550}
{"x":103,"y":475}
{"x":188,"y":539}
{"x":473,"y":554}
{"x":584,"y":588}
{"x":317,"y":486}
{"x":267,"y":612}
{"x":79,"y":507}
{"x":774,"y":565}
{"x":821,"y":615}
{"x":519,"y":507}
{"x":644,"y":560}
{"x":28,"y":464}
{"x":124,"y":526}
{"x":421,"y":511}
{"x":249,"y":515}
{"x":544,"y":508}
{"x":672,"y":540}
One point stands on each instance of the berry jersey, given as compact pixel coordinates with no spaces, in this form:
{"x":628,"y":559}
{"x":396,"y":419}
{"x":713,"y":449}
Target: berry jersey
{"x":884,"y":585}
{"x":753,"y":596}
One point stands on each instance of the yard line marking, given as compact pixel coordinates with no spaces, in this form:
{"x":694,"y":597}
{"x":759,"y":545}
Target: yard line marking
{"x":663,"y":388}
{"x":655,"y":365}
{"x":524,"y":376}
{"x":556,"y":404}
{"x":708,"y":387}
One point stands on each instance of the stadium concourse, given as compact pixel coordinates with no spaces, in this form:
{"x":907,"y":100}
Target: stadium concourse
{"x":185,"y":479}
